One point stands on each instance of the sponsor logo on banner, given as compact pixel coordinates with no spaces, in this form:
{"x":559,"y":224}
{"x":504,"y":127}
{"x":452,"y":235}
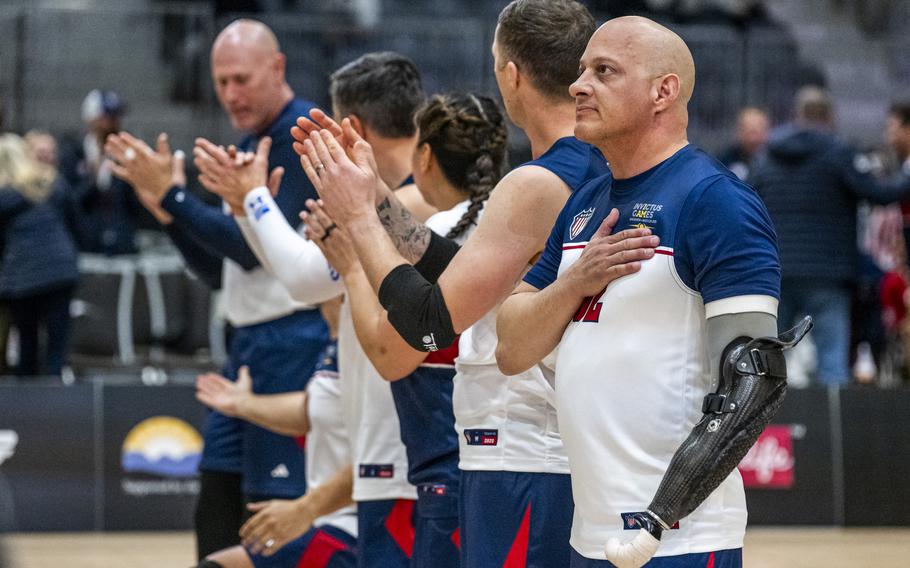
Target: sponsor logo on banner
{"x":162,"y":454}
{"x":769,"y":464}
{"x":8,"y":441}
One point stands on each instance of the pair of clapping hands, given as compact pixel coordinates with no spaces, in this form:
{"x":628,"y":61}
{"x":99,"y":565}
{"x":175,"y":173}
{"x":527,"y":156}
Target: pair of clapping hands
{"x":336,"y":159}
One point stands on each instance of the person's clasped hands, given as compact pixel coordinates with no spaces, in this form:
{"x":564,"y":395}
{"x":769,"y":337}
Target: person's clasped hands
{"x":231,"y":174}
{"x":341,"y":166}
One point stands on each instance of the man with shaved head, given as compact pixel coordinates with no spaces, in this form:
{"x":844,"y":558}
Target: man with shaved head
{"x":277,"y":337}
{"x":666,"y":375}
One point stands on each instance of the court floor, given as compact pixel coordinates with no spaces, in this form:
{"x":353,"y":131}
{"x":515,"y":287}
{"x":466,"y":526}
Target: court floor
{"x":765,"y":548}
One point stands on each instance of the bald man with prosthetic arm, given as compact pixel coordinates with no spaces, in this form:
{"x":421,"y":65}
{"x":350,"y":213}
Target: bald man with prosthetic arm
{"x":664,"y":377}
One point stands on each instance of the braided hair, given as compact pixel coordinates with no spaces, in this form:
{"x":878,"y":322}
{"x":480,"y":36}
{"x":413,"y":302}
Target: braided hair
{"x":467,"y":134}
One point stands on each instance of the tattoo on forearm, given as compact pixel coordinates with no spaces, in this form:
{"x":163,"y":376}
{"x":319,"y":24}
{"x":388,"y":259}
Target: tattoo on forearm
{"x":411,"y":237}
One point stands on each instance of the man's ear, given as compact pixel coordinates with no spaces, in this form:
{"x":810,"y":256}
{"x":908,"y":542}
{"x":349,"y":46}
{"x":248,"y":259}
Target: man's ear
{"x":357,"y":124}
{"x":513,"y":75}
{"x":666,"y":91}
{"x":280,"y":64}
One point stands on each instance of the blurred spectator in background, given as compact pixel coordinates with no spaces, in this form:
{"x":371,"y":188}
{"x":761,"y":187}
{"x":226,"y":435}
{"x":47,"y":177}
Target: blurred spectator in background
{"x":43,"y":146}
{"x":752,"y":127}
{"x":103,"y":208}
{"x":811,"y":183}
{"x":38,"y":270}
{"x":897,"y":136}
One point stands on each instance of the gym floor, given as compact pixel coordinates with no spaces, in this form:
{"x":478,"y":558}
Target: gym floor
{"x":765,"y":548}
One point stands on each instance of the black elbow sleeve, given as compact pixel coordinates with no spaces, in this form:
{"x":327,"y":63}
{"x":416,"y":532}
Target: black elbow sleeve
{"x":436,"y":258}
{"x":417,"y":309}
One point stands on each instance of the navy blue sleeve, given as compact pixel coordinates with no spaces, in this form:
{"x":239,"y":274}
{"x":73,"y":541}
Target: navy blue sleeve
{"x":209,"y":225}
{"x":725,"y":243}
{"x":545,"y":270}
{"x":205,"y":264}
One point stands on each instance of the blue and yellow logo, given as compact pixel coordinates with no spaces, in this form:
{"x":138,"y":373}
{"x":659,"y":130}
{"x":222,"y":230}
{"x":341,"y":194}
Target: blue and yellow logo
{"x":162,"y":445}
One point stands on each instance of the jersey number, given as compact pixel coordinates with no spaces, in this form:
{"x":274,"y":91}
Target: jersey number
{"x":589,"y":310}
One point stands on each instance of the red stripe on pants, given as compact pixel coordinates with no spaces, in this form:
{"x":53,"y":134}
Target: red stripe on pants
{"x":320,"y":550}
{"x":400,"y":525}
{"x":518,"y":553}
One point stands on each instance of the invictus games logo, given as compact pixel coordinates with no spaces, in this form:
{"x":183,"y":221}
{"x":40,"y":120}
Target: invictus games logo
{"x":644,"y":215}
{"x":161,"y":447}
{"x":579,"y":222}
{"x":9,"y":439}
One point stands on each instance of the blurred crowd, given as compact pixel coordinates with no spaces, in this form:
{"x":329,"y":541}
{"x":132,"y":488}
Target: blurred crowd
{"x":842,"y":217}
{"x":57,"y":199}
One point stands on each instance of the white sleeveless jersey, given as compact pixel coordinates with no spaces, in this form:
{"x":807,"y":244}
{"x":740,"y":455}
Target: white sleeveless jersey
{"x":632,"y":367}
{"x":380,"y":461}
{"x":509,"y":423}
{"x":504,"y":423}
{"x":327,"y":446}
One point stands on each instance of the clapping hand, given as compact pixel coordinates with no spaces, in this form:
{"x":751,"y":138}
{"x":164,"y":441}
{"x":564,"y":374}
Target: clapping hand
{"x":151,"y":172}
{"x":331,"y":239}
{"x":224,"y":395}
{"x":231,"y":174}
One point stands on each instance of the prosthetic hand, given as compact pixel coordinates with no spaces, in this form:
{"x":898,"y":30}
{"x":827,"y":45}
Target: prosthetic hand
{"x":753,"y":382}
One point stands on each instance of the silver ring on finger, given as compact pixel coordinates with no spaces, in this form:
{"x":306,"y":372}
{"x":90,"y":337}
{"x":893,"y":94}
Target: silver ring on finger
{"x":270,"y":543}
{"x":319,"y":168}
{"x":129,"y":155}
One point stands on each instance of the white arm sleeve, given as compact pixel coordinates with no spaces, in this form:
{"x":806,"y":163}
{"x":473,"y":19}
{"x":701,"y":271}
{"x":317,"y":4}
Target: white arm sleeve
{"x":295,"y":261}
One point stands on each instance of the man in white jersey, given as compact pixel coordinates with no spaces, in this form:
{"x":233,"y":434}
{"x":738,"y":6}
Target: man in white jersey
{"x":659,"y":385}
{"x":277,"y":337}
{"x":516,"y":502}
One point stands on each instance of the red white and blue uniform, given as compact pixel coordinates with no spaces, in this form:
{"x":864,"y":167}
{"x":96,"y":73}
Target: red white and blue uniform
{"x":425,"y":533}
{"x":516,"y":498}
{"x":278,"y":337}
{"x":332,"y":541}
{"x":632,"y":366}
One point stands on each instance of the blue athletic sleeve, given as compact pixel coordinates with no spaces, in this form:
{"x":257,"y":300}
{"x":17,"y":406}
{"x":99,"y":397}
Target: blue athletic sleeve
{"x":545,"y":270}
{"x":205,"y":264}
{"x":725,"y":243}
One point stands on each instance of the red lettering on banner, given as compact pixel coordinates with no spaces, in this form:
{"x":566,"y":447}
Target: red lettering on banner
{"x":769,"y":463}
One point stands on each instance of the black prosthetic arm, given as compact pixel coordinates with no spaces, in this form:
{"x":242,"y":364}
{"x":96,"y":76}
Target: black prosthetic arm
{"x":753,"y":382}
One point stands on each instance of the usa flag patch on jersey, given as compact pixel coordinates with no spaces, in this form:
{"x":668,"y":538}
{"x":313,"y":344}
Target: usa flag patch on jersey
{"x":579,"y":222}
{"x":384,"y":470}
{"x":481,"y":437}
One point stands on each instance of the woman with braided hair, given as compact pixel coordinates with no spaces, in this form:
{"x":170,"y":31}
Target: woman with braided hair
{"x":460,"y":153}
{"x":459,"y":158}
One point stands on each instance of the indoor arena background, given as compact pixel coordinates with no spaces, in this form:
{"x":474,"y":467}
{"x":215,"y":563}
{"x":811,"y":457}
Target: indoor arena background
{"x":827,"y":482}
